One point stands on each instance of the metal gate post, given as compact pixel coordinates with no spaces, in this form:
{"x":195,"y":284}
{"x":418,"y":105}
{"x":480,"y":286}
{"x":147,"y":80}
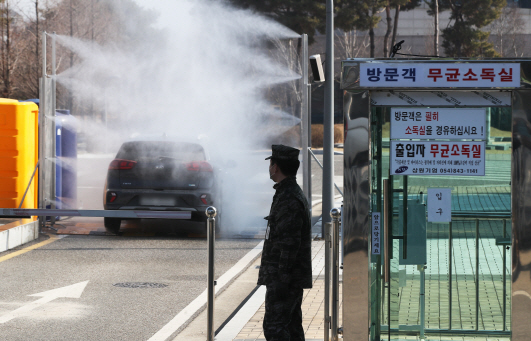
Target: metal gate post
{"x":53,"y":142}
{"x":211,"y":225}
{"x":422,"y":299}
{"x":335,"y":213}
{"x":42,"y":125}
{"x":328,"y":121}
{"x":306,"y":172}
{"x":328,"y":252}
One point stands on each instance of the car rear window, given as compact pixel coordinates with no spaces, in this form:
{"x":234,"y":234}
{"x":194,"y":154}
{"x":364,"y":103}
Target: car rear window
{"x":155,"y":149}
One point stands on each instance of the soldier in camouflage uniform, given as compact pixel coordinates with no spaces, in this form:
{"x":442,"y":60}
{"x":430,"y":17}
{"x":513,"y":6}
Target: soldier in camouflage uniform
{"x":286,"y":267}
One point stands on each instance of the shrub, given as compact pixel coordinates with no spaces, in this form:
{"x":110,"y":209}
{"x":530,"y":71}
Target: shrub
{"x":318,"y":134}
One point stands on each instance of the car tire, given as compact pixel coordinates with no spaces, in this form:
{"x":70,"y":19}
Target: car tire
{"x":112,"y":224}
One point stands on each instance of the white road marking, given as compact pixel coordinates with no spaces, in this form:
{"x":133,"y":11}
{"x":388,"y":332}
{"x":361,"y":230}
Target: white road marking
{"x":71,"y":291}
{"x":238,"y":321}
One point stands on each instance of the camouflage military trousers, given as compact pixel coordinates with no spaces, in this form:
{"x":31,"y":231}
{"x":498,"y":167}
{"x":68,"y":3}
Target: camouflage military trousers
{"x":283,"y":314}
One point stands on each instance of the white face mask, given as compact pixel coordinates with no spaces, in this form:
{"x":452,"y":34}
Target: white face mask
{"x":271,"y":174}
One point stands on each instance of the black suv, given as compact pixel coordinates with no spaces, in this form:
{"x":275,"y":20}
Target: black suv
{"x":159,"y":175}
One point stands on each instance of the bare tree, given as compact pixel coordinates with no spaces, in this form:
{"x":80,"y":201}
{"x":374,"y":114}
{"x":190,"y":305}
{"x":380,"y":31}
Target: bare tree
{"x":395,"y":24}
{"x":505,"y":32}
{"x":37,"y":44}
{"x":22,"y":72}
{"x":5,"y":49}
{"x":436,"y":30}
{"x":392,"y":24}
{"x":92,"y":20}
{"x":351,"y":44}
{"x":389,"y":29}
{"x":11,"y":29}
{"x":375,"y":11}
{"x":21,"y":35}
{"x":288,"y":53}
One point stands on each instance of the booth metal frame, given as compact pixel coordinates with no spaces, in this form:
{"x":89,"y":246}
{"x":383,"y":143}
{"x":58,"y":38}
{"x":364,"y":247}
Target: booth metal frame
{"x":358,"y":101}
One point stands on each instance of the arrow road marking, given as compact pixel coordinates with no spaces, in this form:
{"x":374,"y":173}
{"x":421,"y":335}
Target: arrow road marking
{"x":70,"y":291}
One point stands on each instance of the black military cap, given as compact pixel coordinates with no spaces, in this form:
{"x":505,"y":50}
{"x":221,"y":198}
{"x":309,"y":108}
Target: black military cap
{"x":282,"y":152}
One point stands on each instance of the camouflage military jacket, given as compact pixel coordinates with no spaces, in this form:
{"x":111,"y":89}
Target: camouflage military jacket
{"x":287,"y":253}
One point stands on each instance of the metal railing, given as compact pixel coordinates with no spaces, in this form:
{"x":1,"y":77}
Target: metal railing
{"x":211,"y":226}
{"x":332,"y":264}
{"x":505,"y":242}
{"x":328,"y":255}
{"x":320,"y":165}
{"x":125,"y":214}
{"x":503,"y":239}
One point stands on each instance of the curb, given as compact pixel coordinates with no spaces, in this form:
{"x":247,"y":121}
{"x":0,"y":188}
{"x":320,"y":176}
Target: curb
{"x":192,"y":310}
{"x":17,"y":233}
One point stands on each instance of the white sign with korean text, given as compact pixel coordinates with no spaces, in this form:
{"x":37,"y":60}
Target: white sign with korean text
{"x":437,"y":158}
{"x":439,"y":205}
{"x":438,"y":123}
{"x":376,"y":233}
{"x":440,"y":75}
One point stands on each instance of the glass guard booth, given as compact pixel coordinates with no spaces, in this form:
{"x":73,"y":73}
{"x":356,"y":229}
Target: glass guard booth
{"x":437,"y":177}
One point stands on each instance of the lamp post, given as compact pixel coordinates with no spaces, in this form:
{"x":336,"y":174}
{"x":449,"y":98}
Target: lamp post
{"x":328,"y":123}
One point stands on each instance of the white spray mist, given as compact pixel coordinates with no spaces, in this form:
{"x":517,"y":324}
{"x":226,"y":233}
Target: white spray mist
{"x":199,"y":71}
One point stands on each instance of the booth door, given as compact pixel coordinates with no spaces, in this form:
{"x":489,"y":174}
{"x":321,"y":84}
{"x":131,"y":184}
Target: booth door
{"x":431,"y":279}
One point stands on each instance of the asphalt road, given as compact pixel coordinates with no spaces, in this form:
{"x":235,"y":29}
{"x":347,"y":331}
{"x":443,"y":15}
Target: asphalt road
{"x":170,"y":268}
{"x":109,"y":307}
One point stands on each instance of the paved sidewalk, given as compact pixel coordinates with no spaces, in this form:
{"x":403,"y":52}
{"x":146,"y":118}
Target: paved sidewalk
{"x":247,"y":324}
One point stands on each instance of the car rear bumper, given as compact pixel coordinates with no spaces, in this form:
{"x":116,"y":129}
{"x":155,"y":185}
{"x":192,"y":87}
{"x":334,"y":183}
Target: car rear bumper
{"x":167,"y":200}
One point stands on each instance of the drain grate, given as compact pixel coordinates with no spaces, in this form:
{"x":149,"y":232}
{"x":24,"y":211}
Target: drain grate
{"x":141,"y":285}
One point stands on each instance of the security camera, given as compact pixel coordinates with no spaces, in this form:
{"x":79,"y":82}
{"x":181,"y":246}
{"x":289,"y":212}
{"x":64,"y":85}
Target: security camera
{"x":317,"y":68}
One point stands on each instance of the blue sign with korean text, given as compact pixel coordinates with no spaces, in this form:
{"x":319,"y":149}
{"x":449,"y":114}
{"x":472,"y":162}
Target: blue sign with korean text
{"x":464,"y":75}
{"x":437,"y":158}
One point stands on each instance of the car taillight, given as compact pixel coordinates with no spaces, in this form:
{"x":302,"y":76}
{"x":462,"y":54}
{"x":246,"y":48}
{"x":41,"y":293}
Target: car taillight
{"x":122,"y":164}
{"x":203,"y":199}
{"x":111,"y":196}
{"x":199,"y":166}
